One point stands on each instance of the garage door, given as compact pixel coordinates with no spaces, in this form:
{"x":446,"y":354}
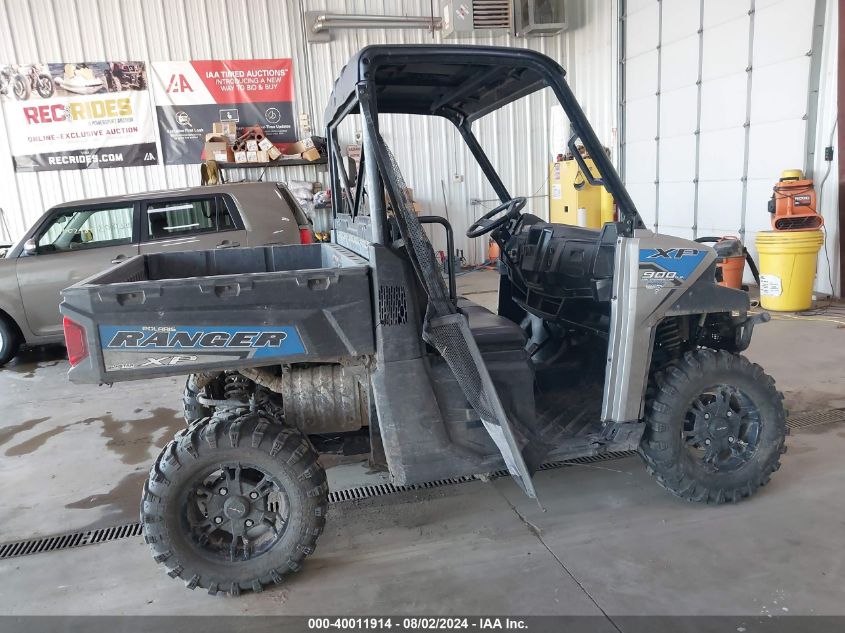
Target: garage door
{"x":716,"y":106}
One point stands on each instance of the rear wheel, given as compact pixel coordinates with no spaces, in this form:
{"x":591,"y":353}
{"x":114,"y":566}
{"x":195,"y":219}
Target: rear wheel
{"x":234,"y":502}
{"x":44,"y":86}
{"x":715,"y":427}
{"x":10,"y":341}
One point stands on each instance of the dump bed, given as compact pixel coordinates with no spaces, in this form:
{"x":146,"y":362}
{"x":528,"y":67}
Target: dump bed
{"x":177,"y":313}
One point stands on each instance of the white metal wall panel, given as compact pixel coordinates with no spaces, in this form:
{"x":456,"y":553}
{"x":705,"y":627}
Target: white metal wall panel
{"x":641,"y":123}
{"x":679,"y":48}
{"x":778,"y":111}
{"x":429,"y":152}
{"x":724,"y":90}
{"x":718,"y":12}
{"x":750,"y":111}
{"x":680,"y":20}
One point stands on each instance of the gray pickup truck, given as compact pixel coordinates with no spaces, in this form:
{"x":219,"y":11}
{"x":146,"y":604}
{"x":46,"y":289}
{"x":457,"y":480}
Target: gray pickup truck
{"x":75,"y":240}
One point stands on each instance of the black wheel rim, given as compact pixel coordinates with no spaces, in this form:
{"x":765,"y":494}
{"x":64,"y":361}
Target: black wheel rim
{"x":722,"y":428}
{"x":235,"y":512}
{"x":20,"y":89}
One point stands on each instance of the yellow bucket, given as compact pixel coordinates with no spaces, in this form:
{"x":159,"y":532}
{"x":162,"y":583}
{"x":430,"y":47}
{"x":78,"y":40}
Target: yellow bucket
{"x":788,"y":268}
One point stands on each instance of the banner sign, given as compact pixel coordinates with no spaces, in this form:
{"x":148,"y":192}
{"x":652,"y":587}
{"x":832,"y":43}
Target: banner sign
{"x":192,"y":95}
{"x":78,"y":116}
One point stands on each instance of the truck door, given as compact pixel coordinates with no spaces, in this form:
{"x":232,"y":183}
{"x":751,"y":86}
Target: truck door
{"x":73,"y":244}
{"x":193,"y":223}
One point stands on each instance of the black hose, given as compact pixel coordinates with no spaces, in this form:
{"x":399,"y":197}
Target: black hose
{"x":751,"y":265}
{"x":748,"y":259}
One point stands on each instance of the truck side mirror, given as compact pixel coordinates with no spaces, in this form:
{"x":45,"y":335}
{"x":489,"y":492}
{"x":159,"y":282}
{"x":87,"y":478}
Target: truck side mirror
{"x":30,"y":247}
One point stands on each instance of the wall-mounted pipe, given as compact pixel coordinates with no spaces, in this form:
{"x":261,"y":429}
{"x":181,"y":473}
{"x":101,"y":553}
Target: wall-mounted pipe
{"x":319,"y":24}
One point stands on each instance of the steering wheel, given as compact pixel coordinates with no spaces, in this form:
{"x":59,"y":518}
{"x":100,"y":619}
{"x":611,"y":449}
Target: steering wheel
{"x":486,"y":224}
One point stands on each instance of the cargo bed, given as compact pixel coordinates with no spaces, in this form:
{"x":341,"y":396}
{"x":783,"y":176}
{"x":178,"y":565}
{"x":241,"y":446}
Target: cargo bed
{"x":177,"y":313}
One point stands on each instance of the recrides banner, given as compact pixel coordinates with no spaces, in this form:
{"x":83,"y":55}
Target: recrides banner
{"x":78,"y":115}
{"x":192,"y":95}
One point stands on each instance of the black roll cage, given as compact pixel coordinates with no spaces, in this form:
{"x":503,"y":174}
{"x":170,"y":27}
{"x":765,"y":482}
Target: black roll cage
{"x":461,"y":84}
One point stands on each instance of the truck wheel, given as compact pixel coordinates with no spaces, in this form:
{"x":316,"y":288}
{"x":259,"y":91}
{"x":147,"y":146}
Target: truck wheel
{"x":191,"y":408}
{"x":715,"y":427}
{"x":10,"y":341}
{"x":234,"y":503}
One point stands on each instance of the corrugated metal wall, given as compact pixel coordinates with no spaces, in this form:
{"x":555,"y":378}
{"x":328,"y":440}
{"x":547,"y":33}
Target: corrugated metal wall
{"x":429,"y":152}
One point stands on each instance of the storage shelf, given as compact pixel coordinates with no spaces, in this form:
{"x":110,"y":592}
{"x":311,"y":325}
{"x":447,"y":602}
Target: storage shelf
{"x":275,"y":163}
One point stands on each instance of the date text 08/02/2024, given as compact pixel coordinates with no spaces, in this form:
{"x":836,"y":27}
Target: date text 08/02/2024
{"x":418,"y":623}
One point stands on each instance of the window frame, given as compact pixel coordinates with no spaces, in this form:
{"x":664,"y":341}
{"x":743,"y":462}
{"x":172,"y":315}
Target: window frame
{"x":49,"y":218}
{"x":220,"y":202}
{"x":299,"y":214}
{"x":232,"y":208}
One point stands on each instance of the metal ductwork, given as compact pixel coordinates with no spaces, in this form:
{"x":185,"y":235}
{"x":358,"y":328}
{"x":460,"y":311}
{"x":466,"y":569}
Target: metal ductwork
{"x":320,"y":24}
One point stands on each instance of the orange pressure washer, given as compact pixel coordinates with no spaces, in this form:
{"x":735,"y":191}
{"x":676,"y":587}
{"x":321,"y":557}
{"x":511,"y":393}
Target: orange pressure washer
{"x":793,"y":203}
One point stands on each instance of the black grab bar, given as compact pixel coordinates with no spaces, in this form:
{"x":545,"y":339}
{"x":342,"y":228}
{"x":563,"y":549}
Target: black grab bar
{"x":450,"y":248}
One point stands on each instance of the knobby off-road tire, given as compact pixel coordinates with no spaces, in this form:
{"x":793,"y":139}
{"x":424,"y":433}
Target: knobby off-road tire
{"x":191,"y":408}
{"x":678,"y":440}
{"x":189,"y":523}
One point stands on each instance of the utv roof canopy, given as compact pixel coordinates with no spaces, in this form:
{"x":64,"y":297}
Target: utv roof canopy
{"x":461,"y":83}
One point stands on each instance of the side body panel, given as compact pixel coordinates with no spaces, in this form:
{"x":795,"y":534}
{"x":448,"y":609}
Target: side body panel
{"x":655,"y":276}
{"x":269,"y":216}
{"x":410,"y":422}
{"x":43,"y":277}
{"x":10,"y":297}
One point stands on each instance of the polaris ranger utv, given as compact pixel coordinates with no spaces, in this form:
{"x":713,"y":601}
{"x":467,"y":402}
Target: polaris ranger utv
{"x":604,"y":340}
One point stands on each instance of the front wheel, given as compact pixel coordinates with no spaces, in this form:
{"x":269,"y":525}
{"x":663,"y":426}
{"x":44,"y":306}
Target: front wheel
{"x":234,"y":502}
{"x":715,"y":427}
{"x":21,"y":88}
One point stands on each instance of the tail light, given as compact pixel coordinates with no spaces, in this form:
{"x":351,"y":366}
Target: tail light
{"x":77,"y":347}
{"x":305,"y":235}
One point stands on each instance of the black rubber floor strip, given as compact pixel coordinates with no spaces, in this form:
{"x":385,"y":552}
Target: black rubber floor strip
{"x":816,"y":418}
{"x":68,"y":540}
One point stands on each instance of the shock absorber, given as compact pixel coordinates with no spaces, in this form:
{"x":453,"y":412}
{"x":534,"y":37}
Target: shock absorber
{"x":667,"y":341}
{"x":236,"y":387}
{"x":238,"y":391}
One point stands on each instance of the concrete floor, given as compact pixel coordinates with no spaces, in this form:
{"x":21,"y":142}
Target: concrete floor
{"x":609,"y":541}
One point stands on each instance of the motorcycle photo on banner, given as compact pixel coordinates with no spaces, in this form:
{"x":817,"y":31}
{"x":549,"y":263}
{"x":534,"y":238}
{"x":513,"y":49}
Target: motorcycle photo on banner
{"x":192,"y":96}
{"x":78,"y":115}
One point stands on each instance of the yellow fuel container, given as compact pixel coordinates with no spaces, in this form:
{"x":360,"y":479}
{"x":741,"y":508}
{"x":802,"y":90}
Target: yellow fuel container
{"x":573,"y":200}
